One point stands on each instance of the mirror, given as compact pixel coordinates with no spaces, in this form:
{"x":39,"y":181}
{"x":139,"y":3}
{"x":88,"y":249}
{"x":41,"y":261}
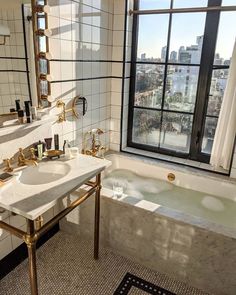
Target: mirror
{"x":79,"y":102}
{"x":17,"y":64}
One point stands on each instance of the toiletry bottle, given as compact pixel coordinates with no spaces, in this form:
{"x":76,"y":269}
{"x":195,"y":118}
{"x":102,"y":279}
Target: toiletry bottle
{"x":27,"y":111}
{"x":21,"y":116}
{"x":67,"y":151}
{"x":34,"y":113}
{"x":17,"y":101}
{"x":56,"y":141}
{"x":48,"y":142}
{"x":40,"y":151}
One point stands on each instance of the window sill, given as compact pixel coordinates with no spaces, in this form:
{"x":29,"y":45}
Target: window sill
{"x":175,"y":160}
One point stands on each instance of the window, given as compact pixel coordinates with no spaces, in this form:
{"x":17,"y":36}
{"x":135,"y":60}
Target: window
{"x":179,"y":70}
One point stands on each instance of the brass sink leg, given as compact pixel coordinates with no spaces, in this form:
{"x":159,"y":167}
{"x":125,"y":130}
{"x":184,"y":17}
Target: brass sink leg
{"x":30,"y":240}
{"x":97,"y":216}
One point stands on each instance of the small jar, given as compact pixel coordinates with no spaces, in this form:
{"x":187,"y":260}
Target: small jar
{"x":21,"y":116}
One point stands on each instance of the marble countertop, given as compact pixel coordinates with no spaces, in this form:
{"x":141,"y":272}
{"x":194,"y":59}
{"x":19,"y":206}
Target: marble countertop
{"x":31,"y":201}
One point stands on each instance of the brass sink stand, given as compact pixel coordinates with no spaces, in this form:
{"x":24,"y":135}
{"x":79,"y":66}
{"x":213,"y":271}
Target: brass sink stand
{"x":31,"y":236}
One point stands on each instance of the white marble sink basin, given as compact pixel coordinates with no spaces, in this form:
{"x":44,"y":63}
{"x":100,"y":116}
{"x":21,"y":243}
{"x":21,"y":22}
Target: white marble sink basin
{"x":44,"y":173}
{"x":34,"y":190}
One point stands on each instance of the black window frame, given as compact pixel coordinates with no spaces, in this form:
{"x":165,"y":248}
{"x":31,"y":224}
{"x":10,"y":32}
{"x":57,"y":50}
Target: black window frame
{"x":206,"y":68}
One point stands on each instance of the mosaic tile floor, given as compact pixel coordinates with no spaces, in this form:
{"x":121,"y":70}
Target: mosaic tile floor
{"x":66,"y":267}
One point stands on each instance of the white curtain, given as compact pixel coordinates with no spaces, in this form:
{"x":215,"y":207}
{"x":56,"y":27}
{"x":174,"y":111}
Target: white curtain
{"x":226,"y":127}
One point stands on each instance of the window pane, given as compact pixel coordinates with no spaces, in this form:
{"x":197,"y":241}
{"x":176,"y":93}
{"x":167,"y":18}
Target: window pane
{"x":146,"y":125}
{"x":228,"y":2}
{"x":151,"y":42}
{"x":218,"y":85}
{"x":152,"y":4}
{"x":149,"y":85}
{"x":209,"y":133}
{"x":225,"y":39}
{"x":181,"y":88}
{"x":187,"y":3}
{"x":187,"y":37}
{"x":176,"y":132}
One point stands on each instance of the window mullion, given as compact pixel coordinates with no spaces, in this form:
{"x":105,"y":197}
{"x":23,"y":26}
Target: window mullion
{"x":205,"y":73}
{"x":133,"y":74}
{"x":165,"y":71}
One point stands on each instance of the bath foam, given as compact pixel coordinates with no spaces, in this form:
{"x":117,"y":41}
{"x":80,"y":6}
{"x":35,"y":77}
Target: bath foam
{"x":212,"y":204}
{"x":134,"y":183}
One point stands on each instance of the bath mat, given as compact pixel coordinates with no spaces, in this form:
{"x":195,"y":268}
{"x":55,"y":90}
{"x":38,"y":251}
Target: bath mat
{"x":132,"y":285}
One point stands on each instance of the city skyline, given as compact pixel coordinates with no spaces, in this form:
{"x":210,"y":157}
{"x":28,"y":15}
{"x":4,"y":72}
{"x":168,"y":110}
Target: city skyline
{"x":192,"y":53}
{"x":151,"y":42}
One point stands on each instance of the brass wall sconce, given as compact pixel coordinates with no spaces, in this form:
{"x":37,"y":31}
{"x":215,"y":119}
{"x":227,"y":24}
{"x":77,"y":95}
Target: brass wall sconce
{"x":44,"y":32}
{"x":45,"y":77}
{"x":41,"y":9}
{"x":47,"y":97}
{"x":42,"y":58}
{"x":73,"y":109}
{"x":45,"y":55}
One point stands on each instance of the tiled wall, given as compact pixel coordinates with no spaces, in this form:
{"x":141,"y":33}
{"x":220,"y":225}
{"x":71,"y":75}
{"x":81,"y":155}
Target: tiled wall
{"x":13,"y":78}
{"x":120,"y":87}
{"x":81,"y":46}
{"x":82,"y":52}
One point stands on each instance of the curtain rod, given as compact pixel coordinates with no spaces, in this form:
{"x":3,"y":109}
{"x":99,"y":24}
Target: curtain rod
{"x":182,"y":10}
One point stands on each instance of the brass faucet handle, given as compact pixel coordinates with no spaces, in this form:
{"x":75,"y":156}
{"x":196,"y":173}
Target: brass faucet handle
{"x":21,"y":157}
{"x":103,"y":149}
{"x":100,"y":131}
{"x":32,"y":154}
{"x":60,"y":103}
{"x":7,"y":162}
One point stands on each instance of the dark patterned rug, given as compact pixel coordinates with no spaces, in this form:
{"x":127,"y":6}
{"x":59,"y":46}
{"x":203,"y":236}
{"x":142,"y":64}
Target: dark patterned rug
{"x":132,"y":285}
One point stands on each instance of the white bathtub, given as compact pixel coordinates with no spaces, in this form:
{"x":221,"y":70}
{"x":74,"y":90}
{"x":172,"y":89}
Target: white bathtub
{"x":197,"y":247}
{"x":210,"y":200}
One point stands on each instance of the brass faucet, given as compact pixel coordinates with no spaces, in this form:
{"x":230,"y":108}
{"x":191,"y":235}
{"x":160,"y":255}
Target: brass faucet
{"x":8,"y":167}
{"x":96,"y":143}
{"x":22,"y":161}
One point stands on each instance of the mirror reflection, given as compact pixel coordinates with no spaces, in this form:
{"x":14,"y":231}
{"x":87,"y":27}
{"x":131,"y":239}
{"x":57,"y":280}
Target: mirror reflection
{"x":17,"y":65}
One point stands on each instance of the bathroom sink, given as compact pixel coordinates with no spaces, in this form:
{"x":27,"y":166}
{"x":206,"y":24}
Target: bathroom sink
{"x":45,"y":172}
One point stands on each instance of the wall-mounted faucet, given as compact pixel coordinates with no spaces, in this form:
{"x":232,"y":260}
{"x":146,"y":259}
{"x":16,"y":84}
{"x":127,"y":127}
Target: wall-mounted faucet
{"x":96,"y":147}
{"x":22,"y":161}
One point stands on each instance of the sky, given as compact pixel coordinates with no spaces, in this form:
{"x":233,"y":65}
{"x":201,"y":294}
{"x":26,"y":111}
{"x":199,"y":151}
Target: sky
{"x":185,"y":28}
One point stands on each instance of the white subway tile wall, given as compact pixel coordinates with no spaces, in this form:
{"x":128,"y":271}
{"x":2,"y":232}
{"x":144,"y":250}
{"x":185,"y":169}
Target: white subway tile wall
{"x":81,"y":45}
{"x":118,"y":68}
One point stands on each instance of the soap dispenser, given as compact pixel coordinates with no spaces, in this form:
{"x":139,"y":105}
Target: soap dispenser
{"x":66,"y":149}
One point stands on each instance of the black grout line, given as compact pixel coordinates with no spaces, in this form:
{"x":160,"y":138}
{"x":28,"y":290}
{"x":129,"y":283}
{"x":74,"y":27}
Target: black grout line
{"x":14,"y":71}
{"x":85,"y":79}
{"x":88,"y":60}
{"x":10,"y":57}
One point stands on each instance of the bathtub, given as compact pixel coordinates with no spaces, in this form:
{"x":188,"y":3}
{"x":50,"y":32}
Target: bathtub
{"x":197,"y":197}
{"x":197,"y":247}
